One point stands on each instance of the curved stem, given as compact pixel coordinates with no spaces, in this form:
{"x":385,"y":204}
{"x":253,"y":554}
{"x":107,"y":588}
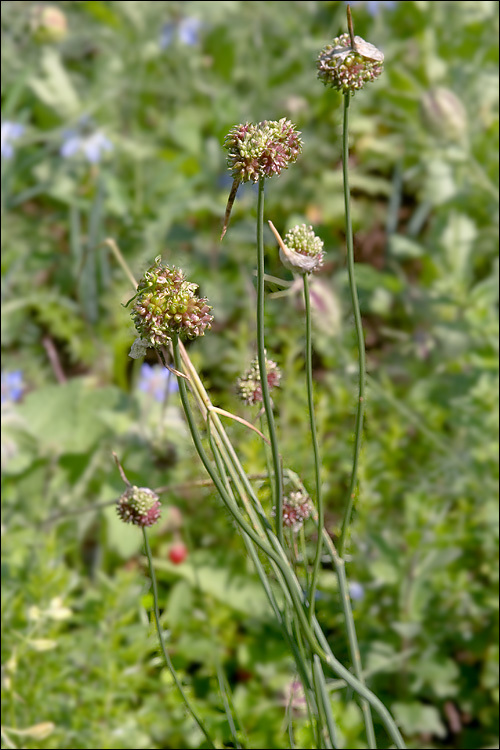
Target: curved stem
{"x":261,"y":351}
{"x":359,"y":329}
{"x":314,"y":436}
{"x":282,"y":564}
{"x":162,"y":643}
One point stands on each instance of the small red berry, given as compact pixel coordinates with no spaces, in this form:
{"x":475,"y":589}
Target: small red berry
{"x":178,"y":553}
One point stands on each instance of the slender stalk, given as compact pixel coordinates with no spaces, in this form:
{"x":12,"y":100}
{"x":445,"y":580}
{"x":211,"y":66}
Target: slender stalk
{"x":162,"y":643}
{"x":314,"y":436}
{"x":312,"y":633}
{"x":261,"y":351}
{"x":352,"y":637}
{"x":292,"y":585}
{"x":325,"y":705}
{"x":358,"y":430}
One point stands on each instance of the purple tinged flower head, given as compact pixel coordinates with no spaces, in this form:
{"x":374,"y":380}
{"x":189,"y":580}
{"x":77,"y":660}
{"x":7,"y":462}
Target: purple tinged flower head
{"x":294,"y":697}
{"x":297,"y":507}
{"x":249,"y":384}
{"x":187,"y":31}
{"x":348,"y":65}
{"x":12,"y":386}
{"x":261,"y":150}
{"x":10,"y":132}
{"x":166,"y":305}
{"x":157,"y":381}
{"x":140,"y":506}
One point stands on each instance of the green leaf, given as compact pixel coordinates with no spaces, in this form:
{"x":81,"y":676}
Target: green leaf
{"x":415,"y":718}
{"x":66,"y":418}
{"x":55,"y":89}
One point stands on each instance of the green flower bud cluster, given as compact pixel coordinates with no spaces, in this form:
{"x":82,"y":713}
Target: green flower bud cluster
{"x":302,"y":250}
{"x":249,"y":384}
{"x":262,"y":149}
{"x":346,"y":66}
{"x":166,"y":304}
{"x":140,"y":506}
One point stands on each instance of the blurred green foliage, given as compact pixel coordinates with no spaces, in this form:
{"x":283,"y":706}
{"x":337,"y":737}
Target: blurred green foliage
{"x":77,"y":650}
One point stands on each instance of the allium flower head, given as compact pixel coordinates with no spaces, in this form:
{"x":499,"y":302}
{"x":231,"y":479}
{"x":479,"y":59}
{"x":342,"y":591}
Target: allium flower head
{"x":249,"y":384}
{"x":166,"y":304}
{"x":302,"y":250}
{"x":259,"y":150}
{"x":346,"y":66}
{"x":262,"y":149}
{"x":297,"y":507}
{"x":140,"y":506}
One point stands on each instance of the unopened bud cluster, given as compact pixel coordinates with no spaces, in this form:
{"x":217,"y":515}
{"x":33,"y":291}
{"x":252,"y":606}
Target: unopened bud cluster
{"x":261,"y":150}
{"x":346,"y":67}
{"x":297,"y":507}
{"x":166,"y":305}
{"x":303,"y":250}
{"x":249,"y":384}
{"x":140,"y":506}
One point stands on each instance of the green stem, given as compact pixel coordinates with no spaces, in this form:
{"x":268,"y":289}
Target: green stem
{"x":314,"y":436}
{"x":162,"y":643}
{"x":295,"y":591}
{"x":313,"y":633}
{"x":261,"y":351}
{"x":358,"y":431}
{"x":351,"y":633}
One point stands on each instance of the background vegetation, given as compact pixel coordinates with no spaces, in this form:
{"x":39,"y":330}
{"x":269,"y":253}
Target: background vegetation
{"x":113,"y":128}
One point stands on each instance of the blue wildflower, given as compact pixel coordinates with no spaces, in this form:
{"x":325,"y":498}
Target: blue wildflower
{"x":91,"y":145}
{"x":157,"y":381}
{"x":373,"y":6}
{"x":187,"y":30}
{"x":356,"y":591}
{"x":12,"y":386}
{"x":10,"y":132}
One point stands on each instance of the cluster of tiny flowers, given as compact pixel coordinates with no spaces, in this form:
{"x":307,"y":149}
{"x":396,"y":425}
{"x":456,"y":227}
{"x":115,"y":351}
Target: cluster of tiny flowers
{"x":249,"y":385}
{"x":304,"y":249}
{"x":166,"y":304}
{"x":297,"y":507}
{"x":140,"y":506}
{"x":346,"y":68}
{"x":262,"y":149}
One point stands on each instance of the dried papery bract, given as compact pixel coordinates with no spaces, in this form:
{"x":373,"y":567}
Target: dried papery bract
{"x":302,"y":250}
{"x":257,"y":150}
{"x":349,"y":63}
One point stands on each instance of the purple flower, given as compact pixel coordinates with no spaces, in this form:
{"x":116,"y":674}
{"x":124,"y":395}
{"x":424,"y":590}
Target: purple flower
{"x":12,"y":386}
{"x":356,"y":591}
{"x":187,"y":30}
{"x":10,"y":132}
{"x":373,"y":6}
{"x":157,"y":381}
{"x":92,"y":145}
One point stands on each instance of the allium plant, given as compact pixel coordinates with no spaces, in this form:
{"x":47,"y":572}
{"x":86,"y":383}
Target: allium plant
{"x":167,"y":311}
